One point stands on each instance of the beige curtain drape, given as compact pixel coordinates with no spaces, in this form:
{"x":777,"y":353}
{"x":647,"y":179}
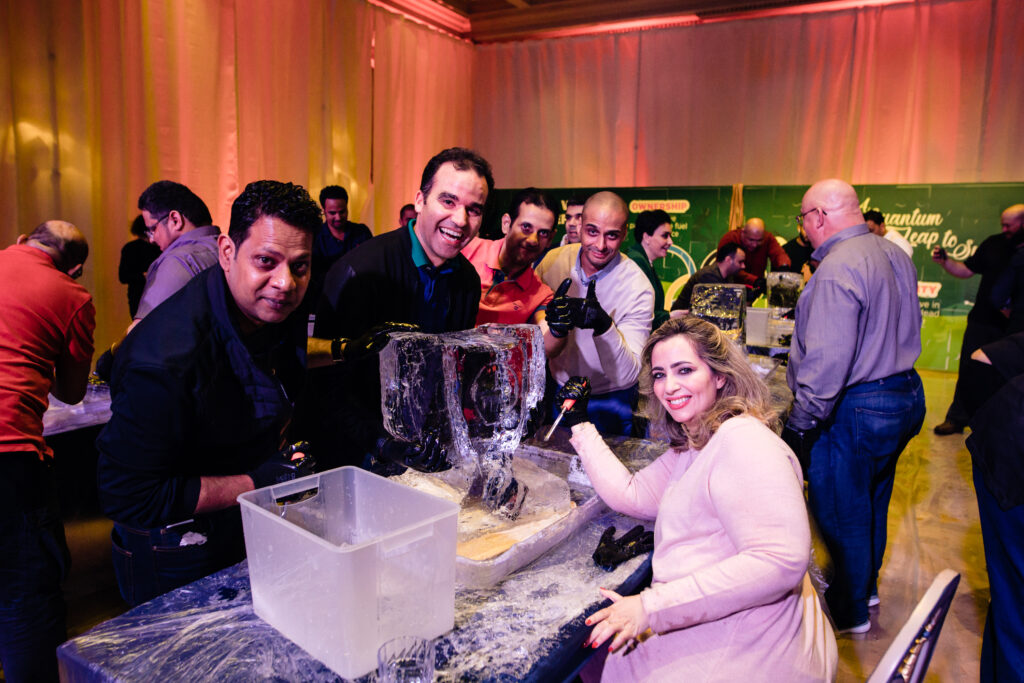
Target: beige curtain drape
{"x":423,"y":105}
{"x":925,"y":92}
{"x":559,"y":113}
{"x":102,"y":97}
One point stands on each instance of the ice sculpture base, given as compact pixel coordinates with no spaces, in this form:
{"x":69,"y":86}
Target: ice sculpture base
{"x":490,"y":546}
{"x":486,"y":573}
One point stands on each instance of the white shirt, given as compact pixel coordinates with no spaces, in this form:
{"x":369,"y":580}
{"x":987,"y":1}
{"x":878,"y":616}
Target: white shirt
{"x":611,"y":360}
{"x":900,"y":241}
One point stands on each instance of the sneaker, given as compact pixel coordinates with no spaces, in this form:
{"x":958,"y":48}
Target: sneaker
{"x":859,"y":628}
{"x":874,"y":600}
{"x":949,"y":427}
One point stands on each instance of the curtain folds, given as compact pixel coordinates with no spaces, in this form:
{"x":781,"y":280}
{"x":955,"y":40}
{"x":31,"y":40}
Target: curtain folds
{"x":925,"y":92}
{"x":99,"y":99}
{"x":423,"y":104}
{"x":559,"y":113}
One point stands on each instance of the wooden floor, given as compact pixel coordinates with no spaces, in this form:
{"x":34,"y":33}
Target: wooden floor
{"x":933,"y":524}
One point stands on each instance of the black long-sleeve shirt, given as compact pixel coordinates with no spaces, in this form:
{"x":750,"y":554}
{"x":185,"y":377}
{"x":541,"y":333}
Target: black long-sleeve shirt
{"x":136,"y":256}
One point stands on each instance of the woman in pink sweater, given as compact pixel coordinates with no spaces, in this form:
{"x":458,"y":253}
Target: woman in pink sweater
{"x":730,"y":599}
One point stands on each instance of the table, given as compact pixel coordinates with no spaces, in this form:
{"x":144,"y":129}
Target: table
{"x":529,"y":627}
{"x":71,"y":431}
{"x":91,"y":411}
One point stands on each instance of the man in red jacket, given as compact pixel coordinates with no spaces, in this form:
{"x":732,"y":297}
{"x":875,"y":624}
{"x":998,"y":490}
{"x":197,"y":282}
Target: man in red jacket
{"x":759,"y":246}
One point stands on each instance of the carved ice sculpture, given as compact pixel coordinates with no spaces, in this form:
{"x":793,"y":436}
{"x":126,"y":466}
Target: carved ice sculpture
{"x":476,"y":386}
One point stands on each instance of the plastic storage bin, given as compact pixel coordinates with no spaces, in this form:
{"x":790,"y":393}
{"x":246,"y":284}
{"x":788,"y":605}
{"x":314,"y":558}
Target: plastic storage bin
{"x":353,"y":561}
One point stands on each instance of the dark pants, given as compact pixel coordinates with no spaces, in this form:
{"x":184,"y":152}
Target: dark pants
{"x":850,"y":478}
{"x":34,"y":559}
{"x":151,"y":562}
{"x":971,"y":387}
{"x":611,"y":413}
{"x":1002,"y":648}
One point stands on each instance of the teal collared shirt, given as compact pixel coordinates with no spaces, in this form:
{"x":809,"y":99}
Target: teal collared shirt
{"x":419,"y":257}
{"x":436,"y":288}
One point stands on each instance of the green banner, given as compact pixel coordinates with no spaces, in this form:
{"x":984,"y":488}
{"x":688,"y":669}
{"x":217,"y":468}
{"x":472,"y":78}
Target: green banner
{"x":957,"y":217}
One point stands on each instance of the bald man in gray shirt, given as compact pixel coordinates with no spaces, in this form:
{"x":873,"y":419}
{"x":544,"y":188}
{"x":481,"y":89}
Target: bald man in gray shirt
{"x":857,"y":398}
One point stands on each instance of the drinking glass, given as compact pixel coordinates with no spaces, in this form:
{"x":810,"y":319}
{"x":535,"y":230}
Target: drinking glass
{"x":407,"y":659}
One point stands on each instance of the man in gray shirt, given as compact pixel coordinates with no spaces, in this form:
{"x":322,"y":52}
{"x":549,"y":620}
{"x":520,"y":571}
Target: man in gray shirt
{"x":180,"y":224}
{"x":857,"y":398}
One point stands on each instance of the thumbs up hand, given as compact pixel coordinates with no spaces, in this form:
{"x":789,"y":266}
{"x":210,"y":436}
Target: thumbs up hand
{"x":559,"y":311}
{"x":588,"y":314}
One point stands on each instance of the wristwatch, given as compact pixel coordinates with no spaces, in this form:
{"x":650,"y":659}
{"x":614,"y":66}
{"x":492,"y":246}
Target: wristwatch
{"x":338,"y":349}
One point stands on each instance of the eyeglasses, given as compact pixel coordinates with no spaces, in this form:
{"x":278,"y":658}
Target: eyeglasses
{"x":800,"y":216}
{"x":152,"y":229}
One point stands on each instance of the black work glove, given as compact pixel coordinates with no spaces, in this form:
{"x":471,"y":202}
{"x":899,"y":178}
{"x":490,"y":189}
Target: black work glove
{"x":588,"y":314}
{"x":759,"y":287}
{"x":291,"y":462}
{"x":426,"y":455}
{"x":576,"y":389}
{"x":559,"y":312}
{"x":801,"y":441}
{"x":611,"y":553}
{"x":373,"y":341}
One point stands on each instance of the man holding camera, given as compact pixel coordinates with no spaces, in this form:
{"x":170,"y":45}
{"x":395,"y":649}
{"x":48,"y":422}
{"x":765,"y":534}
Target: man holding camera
{"x":985,"y":322}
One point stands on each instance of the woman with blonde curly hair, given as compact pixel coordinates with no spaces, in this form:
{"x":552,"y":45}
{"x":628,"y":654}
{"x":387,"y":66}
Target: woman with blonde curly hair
{"x":730,"y":599}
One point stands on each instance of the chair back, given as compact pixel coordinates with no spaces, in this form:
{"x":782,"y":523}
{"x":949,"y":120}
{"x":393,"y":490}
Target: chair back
{"x":911,"y":650}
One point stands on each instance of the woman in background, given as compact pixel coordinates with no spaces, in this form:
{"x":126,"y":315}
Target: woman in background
{"x":730,"y":599}
{"x":136,"y":256}
{"x":653,"y":235}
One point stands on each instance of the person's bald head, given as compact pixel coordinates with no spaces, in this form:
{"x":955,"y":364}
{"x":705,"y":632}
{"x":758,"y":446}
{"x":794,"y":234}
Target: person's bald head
{"x":1013,"y":220}
{"x":608,"y":202}
{"x":828,"y":207}
{"x":604,"y":226}
{"x":752,"y":234}
{"x":64,"y":242}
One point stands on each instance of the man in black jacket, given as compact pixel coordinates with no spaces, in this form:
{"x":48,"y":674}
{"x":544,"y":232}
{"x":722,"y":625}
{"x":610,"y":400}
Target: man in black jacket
{"x":985,"y":322}
{"x":997,"y":459}
{"x":415,"y":274}
{"x":203,"y":393}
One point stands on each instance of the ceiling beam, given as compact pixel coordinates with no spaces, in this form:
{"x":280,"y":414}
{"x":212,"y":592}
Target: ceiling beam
{"x":572,"y":17}
{"x":435,"y":14}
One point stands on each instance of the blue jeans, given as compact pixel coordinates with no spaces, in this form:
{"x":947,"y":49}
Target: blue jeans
{"x":1002,"y":647}
{"x":151,"y":562}
{"x":34,"y":559}
{"x":850,"y":477}
{"x":611,"y":413}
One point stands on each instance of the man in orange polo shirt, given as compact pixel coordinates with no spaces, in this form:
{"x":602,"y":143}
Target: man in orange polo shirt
{"x":511,"y":293}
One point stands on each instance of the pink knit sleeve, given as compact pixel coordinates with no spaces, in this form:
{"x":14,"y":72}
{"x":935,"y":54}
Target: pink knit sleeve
{"x":636,"y":495}
{"x":759,"y":502}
